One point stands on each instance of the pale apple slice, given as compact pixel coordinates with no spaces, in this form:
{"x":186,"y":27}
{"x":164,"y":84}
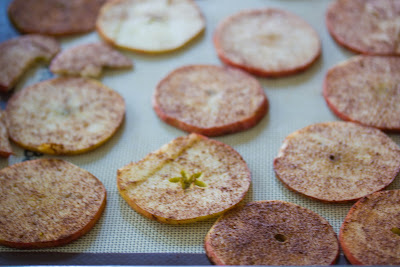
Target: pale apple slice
{"x":150,"y":26}
{"x":88,"y":60}
{"x":64,"y":115}
{"x":189,"y":179}
{"x":47,"y":203}
{"x":267,"y":42}
{"x":370,"y":233}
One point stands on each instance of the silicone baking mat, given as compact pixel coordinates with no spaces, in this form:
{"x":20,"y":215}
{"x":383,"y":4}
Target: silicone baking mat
{"x":295,"y":102}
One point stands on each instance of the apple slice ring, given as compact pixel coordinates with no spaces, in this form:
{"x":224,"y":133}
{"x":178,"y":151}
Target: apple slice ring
{"x":370,"y":233}
{"x":152,"y":26}
{"x":5,"y":146}
{"x":366,"y":26}
{"x":18,"y":54}
{"x":337,"y":161}
{"x":271,"y":233}
{"x":47,"y":203}
{"x":88,"y":60}
{"x":64,"y":115}
{"x":267,"y":42}
{"x":189,"y":179}
{"x":210,"y":100}
{"x":54,"y":17}
{"x":365,"y":89}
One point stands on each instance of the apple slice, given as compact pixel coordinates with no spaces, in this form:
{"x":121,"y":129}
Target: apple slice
{"x":189,"y":179}
{"x":47,"y":203}
{"x":54,"y":17}
{"x":88,"y":60}
{"x":210,"y":100}
{"x":5,"y":147}
{"x":267,"y":42}
{"x":337,"y":161}
{"x":152,"y":26}
{"x":271,"y":233}
{"x":370,"y":233}
{"x":369,"y":27}
{"x":64,"y":115}
{"x":365,"y":89}
{"x":18,"y":54}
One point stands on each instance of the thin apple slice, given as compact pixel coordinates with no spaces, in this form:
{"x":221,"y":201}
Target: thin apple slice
{"x":337,"y":161}
{"x":88,"y":60}
{"x":267,"y":42}
{"x":54,"y":17}
{"x":366,"y":90}
{"x":370,"y":233}
{"x":271,"y":233}
{"x":369,"y":27}
{"x":5,"y":147}
{"x":47,"y":203}
{"x":210,"y":100}
{"x":64,"y":115}
{"x":18,"y":54}
{"x":191,"y":178}
{"x":152,"y":26}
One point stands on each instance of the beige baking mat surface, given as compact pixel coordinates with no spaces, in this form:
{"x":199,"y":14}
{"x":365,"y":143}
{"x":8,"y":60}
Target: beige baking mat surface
{"x":295,"y":102}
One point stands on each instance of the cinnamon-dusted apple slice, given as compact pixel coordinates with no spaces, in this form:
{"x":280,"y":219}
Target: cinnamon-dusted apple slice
{"x":210,"y":100}
{"x":151,"y":26}
{"x":365,"y":89}
{"x":337,"y":161}
{"x":88,"y":60}
{"x":191,"y":178}
{"x":47,"y":203}
{"x":271,"y":233}
{"x":54,"y":17}
{"x":267,"y":42}
{"x":18,"y":54}
{"x":5,"y":147}
{"x":366,"y":26}
{"x":64,"y":115}
{"x":370,"y":233}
